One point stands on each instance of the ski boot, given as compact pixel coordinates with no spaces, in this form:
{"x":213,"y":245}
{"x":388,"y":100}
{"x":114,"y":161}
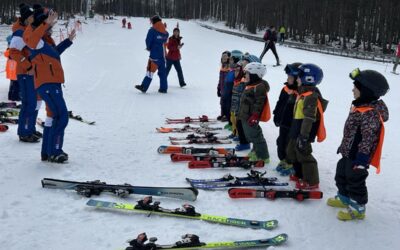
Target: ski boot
{"x":29,"y":138}
{"x":236,"y":139}
{"x":228,"y":127}
{"x":61,"y":158}
{"x":189,"y":240}
{"x":281,"y":165}
{"x":140,"y":87}
{"x":339,"y":201}
{"x":38,"y":134}
{"x":147,"y":204}
{"x":162,"y":91}
{"x":252,"y":156}
{"x":303,"y":185}
{"x":242,"y":147}
{"x":354,"y":211}
{"x":287,"y":170}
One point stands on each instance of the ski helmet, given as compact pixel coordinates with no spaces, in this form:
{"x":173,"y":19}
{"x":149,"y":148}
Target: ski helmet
{"x":154,"y":19}
{"x":292,"y":69}
{"x":310,"y":74}
{"x":250,"y":58}
{"x":236,"y":55}
{"x":372,"y":80}
{"x":256,"y":68}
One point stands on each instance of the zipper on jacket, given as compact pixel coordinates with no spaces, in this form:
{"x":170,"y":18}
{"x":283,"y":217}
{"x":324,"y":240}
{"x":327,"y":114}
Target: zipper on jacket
{"x":51,"y":69}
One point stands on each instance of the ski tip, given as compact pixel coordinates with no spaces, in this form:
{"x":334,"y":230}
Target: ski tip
{"x":161,"y":149}
{"x":279,"y":239}
{"x":195,"y":191}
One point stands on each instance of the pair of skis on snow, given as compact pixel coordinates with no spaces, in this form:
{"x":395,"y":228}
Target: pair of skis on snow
{"x":202,"y":129}
{"x":71,"y":115}
{"x":200,"y":119}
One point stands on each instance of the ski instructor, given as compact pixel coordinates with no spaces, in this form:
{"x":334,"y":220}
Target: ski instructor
{"x":155,"y":41}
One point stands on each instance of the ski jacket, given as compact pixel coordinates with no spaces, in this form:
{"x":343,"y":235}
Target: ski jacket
{"x":362,"y":132}
{"x":45,"y":55}
{"x":228,"y":85}
{"x":222,"y":75}
{"x":237,"y":91}
{"x":156,"y":38}
{"x":283,"y":112}
{"x":174,"y":53}
{"x":308,"y":115}
{"x":18,"y":50}
{"x":253,"y":99}
{"x":270,"y":36}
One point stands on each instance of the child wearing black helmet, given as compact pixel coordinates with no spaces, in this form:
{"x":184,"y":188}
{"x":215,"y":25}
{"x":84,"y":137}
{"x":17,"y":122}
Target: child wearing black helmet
{"x":361,"y":144}
{"x":283,"y":116}
{"x":307,"y":124}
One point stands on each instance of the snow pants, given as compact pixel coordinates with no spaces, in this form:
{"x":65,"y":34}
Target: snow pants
{"x":29,"y":106}
{"x":351,"y":182}
{"x":178,"y":68}
{"x":52,"y":95}
{"x":152,"y":67}
{"x":309,"y":165}
{"x":255,"y":135}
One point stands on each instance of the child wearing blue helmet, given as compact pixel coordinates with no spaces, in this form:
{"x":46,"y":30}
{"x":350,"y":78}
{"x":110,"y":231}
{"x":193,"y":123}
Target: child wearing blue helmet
{"x":307,"y":124}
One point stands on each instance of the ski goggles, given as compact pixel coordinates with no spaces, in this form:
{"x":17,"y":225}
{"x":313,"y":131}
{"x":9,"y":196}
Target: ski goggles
{"x":355,"y":74}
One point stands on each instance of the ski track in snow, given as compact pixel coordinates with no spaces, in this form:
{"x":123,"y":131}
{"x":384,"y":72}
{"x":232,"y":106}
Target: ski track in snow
{"x":101,"y":69}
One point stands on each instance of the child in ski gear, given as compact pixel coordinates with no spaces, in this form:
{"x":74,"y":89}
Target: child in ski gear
{"x":307,"y":124}
{"x":283,"y":116}
{"x":253,"y":107}
{"x":123,"y":22}
{"x":362,"y":142}
{"x":238,"y":88}
{"x":174,"y":55}
{"x":270,"y":39}
{"x":20,"y":53}
{"x":156,"y":38}
{"x":225,"y":57}
{"x":129,"y":26}
{"x":48,"y":77}
{"x":226,"y":97}
{"x":397,"y":59}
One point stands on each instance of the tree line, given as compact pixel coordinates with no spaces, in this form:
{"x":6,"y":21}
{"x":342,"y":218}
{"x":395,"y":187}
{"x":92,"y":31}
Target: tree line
{"x":356,"y":24}
{"x":9,"y":8}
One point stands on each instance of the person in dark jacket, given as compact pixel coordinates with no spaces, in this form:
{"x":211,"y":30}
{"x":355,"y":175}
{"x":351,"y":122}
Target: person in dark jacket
{"x":307,"y":124}
{"x":283,"y":116}
{"x":174,"y":55}
{"x":155,"y":41}
{"x":225,"y":58}
{"x":270,"y":38}
{"x":361,"y":145}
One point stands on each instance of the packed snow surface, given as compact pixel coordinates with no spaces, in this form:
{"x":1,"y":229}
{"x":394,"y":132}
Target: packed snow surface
{"x":101,"y":69}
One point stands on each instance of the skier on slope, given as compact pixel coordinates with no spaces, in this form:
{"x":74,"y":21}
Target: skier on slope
{"x":254,"y":107}
{"x":222,"y":75}
{"x":123,"y":22}
{"x":308,"y":123}
{"x":362,"y":142}
{"x":283,"y":116}
{"x":156,"y":38}
{"x":270,"y":38}
{"x":20,"y":53}
{"x":48,"y":77}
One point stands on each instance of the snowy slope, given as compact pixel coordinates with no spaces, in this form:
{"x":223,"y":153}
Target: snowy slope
{"x":101,"y":69}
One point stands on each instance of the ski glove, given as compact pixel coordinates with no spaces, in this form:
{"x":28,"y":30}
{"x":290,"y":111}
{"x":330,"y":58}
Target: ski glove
{"x":303,"y":145}
{"x":253,"y":119}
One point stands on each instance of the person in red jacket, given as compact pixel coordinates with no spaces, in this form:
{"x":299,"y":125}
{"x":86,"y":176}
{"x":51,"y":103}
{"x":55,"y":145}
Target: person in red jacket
{"x":397,"y":58}
{"x":174,"y":55}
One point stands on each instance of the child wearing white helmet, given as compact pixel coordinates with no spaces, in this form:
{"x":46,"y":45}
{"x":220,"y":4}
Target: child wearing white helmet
{"x":254,"y":107}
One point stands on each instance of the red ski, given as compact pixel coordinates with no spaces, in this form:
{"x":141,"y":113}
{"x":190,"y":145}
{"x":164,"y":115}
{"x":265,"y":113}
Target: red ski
{"x":201,"y":119}
{"x":206,"y":157}
{"x":272,"y":194}
{"x":192,"y":150}
{"x":229,"y":164}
